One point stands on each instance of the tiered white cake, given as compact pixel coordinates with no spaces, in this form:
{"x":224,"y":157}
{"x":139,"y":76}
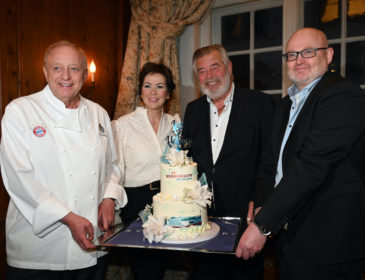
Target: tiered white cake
{"x":180,"y":209}
{"x":169,"y":204}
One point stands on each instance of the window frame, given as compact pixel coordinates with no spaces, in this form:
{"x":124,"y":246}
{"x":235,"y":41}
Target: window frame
{"x":343,"y":40}
{"x":251,"y":7}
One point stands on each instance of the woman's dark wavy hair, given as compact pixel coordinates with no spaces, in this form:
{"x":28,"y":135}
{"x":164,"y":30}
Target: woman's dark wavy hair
{"x":156,"y":68}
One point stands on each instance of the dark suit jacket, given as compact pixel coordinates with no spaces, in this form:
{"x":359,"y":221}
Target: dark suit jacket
{"x":322,"y":192}
{"x":248,"y":129}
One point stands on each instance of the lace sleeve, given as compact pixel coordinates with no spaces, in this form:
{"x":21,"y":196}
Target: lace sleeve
{"x":118,"y":134}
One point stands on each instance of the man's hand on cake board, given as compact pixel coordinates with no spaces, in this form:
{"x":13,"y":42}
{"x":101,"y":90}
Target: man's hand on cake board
{"x":252,"y":241}
{"x":106,"y":214}
{"x":81,"y":229}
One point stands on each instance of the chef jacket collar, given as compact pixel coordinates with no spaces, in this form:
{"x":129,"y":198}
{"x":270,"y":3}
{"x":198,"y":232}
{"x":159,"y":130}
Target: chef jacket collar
{"x":67,"y":118}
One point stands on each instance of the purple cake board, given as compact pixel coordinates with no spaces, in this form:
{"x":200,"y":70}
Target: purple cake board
{"x":132,"y":236}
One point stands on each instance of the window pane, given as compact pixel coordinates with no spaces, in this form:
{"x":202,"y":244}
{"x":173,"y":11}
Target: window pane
{"x":355,"y":62}
{"x":324,"y":15}
{"x":236,"y":32}
{"x":241,"y":70}
{"x":268,"y":27}
{"x":268,"y":70}
{"x":336,"y":60}
{"x":355,"y":18}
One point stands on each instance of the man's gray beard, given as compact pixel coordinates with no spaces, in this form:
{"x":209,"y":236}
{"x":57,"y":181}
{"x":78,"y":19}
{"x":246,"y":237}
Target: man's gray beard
{"x":294,"y":80}
{"x":219,"y":92}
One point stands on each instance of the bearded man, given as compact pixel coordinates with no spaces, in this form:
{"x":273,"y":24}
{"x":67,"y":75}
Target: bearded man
{"x":228,"y":129}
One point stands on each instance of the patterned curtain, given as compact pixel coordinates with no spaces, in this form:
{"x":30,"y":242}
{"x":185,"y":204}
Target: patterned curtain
{"x":155,"y":24}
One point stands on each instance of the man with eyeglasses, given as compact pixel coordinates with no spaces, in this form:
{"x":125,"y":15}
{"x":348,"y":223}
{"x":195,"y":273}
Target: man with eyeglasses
{"x":312,"y":183}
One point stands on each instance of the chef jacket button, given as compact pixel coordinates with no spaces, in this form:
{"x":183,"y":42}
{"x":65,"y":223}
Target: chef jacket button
{"x":94,"y":149}
{"x":75,"y":201}
{"x":93,"y":198}
{"x":70,"y":175}
{"x":89,"y":126}
{"x":94,"y":173}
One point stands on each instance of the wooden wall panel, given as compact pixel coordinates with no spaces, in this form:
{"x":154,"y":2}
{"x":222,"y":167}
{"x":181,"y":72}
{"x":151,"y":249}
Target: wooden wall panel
{"x":9,"y":62}
{"x":9,"y":89}
{"x":92,"y":24}
{"x":28,"y":27}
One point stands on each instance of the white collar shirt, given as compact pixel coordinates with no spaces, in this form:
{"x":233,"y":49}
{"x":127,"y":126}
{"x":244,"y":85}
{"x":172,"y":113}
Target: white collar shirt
{"x":219,"y":123}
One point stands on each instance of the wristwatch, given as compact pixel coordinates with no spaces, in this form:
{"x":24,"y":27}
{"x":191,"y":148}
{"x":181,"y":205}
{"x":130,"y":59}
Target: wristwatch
{"x":264,"y":231}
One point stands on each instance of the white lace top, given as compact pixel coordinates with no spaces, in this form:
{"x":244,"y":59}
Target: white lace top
{"x":139,"y":148}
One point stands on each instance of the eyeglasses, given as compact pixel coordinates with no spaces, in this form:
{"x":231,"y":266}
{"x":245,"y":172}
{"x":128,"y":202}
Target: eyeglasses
{"x":306,"y":53}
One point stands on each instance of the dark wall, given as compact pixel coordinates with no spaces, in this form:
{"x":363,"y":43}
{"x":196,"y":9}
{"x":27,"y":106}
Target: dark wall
{"x":26,"y":30}
{"x":29,"y":27}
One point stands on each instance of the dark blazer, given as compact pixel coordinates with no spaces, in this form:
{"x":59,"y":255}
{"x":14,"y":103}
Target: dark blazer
{"x":248,"y":129}
{"x":322,"y":192}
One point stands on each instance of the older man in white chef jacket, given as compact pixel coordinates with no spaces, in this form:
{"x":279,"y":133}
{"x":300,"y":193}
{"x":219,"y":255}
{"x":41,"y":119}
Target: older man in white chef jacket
{"x":58,"y":166}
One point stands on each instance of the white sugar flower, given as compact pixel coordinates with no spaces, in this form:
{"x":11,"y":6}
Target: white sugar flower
{"x":199,"y":195}
{"x":145,"y":213}
{"x":155,"y":230}
{"x":177,"y":158}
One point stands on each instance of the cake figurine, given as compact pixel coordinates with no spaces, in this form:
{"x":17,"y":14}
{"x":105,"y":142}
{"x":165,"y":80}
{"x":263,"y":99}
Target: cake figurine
{"x":179,"y":211}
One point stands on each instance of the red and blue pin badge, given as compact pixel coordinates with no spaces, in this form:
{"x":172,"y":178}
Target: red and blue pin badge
{"x":39,"y":131}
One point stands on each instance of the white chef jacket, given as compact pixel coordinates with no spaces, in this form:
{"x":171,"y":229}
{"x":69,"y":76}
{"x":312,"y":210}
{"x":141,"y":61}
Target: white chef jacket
{"x":139,"y":148}
{"x":55,"y":160}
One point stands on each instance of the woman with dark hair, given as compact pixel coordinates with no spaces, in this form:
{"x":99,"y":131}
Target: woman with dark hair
{"x":141,"y":138}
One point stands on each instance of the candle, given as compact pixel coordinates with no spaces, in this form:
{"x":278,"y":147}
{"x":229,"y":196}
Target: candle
{"x":92,"y":70}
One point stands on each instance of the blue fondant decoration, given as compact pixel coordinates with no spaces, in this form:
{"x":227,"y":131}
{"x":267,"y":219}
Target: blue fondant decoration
{"x":174,"y":140}
{"x":203,"y":180}
{"x":184,"y":221}
{"x":163,"y":157}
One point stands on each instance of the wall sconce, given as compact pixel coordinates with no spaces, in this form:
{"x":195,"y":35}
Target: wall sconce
{"x":92,"y":70}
